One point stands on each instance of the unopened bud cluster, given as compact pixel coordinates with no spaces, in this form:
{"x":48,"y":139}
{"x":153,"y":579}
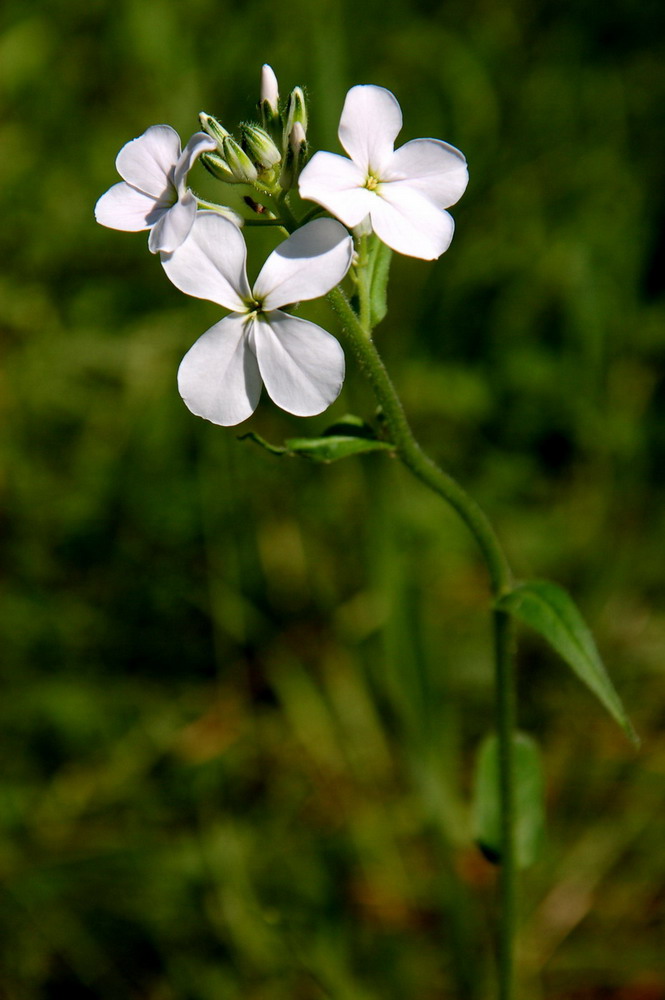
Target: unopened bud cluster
{"x":270,"y":155}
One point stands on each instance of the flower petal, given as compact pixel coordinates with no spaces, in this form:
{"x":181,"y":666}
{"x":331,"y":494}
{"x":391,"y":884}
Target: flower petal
{"x":210,"y":264}
{"x":311,"y":262}
{"x":174,"y":226}
{"x":148,"y":162}
{"x":123,"y":207}
{"x":432,"y":167}
{"x":199,"y":143}
{"x":411,"y":224}
{"x":370,"y":122}
{"x":219,"y":378}
{"x":337,"y":184}
{"x":301,"y":365}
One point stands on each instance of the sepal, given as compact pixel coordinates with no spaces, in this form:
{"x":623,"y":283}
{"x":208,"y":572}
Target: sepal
{"x":214,"y":128}
{"x":238,"y":161}
{"x":218,"y":167}
{"x":296,"y":111}
{"x":260,"y":147}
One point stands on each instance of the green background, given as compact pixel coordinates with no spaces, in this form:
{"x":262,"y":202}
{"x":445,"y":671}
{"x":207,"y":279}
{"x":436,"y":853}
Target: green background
{"x":242,"y":694}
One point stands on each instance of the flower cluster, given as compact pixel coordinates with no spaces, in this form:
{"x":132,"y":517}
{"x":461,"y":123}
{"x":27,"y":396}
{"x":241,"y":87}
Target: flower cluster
{"x":401,"y":195}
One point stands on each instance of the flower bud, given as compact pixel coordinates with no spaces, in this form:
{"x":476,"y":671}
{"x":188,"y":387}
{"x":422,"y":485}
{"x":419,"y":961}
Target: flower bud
{"x":269,"y":89}
{"x":218,"y":167}
{"x":271,"y":119}
{"x":214,"y":128}
{"x":294,"y":157}
{"x":296,"y":112}
{"x":239,"y":162}
{"x":260,"y":146}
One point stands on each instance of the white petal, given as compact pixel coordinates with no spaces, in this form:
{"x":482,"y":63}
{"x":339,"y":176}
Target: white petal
{"x":123,"y":207}
{"x":219,"y":378}
{"x":311,"y":262}
{"x":337,"y":184}
{"x":432,"y":167}
{"x":301,"y":365}
{"x":411,"y":224}
{"x":371,"y":119}
{"x":210,"y":264}
{"x":199,"y":143}
{"x":174,"y":226}
{"x":148,"y":162}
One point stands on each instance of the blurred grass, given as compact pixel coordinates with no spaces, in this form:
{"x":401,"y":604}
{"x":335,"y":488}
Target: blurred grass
{"x":242,"y":694}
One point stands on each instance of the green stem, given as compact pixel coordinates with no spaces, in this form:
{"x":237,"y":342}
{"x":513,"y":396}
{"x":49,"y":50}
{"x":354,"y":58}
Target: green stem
{"x":358,"y":336}
{"x":363,"y":278}
{"x":287,"y":215}
{"x":410,"y":452}
{"x":505,"y":723}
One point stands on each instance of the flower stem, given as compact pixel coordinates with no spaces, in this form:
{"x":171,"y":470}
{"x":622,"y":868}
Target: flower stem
{"x":358,"y":337}
{"x":410,"y":452}
{"x":505,"y":723}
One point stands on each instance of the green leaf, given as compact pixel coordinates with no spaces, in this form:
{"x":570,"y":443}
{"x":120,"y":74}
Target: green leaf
{"x":528,"y":798}
{"x":378,"y":288}
{"x":349,"y":436}
{"x":335,"y":446}
{"x":549,"y":610}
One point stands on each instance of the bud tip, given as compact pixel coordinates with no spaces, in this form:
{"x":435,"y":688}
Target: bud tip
{"x":269,"y":87}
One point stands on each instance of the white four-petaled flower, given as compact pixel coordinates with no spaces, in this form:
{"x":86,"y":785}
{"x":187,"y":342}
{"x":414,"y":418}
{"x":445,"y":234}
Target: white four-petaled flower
{"x":301,"y":366}
{"x":153,"y":193}
{"x":403,"y":192}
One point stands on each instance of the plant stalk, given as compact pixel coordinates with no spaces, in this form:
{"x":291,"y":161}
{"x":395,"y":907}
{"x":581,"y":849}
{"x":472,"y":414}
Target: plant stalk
{"x":358,"y":336}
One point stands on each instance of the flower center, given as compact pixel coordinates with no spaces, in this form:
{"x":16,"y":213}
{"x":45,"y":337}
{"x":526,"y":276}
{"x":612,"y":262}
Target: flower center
{"x":372,"y":182}
{"x":254,"y":308}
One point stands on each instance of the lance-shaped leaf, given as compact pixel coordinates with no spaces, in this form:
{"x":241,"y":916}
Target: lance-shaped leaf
{"x":550,"y":610}
{"x":349,"y":436}
{"x":528,"y":799}
{"x":334,"y":446}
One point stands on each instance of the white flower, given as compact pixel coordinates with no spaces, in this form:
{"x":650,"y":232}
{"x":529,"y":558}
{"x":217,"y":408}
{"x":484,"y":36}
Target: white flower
{"x":153,"y":193}
{"x":301,"y":366}
{"x":403,"y":191}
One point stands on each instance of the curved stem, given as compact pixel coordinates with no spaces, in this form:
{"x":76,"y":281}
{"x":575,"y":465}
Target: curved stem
{"x":358,"y":336}
{"x":410,"y":451}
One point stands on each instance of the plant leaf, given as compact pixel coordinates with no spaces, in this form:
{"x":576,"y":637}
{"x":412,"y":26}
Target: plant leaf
{"x":550,"y":610}
{"x":335,"y":446}
{"x":528,"y":792}
{"x":349,"y":436}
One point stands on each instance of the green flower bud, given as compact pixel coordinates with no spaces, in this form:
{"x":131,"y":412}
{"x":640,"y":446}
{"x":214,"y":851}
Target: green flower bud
{"x":218,"y":167}
{"x":294,"y":158}
{"x":296,"y":111}
{"x":214,"y":128}
{"x":260,"y":146}
{"x":239,"y":162}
